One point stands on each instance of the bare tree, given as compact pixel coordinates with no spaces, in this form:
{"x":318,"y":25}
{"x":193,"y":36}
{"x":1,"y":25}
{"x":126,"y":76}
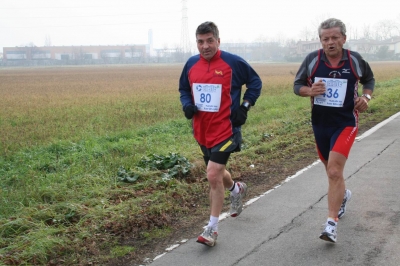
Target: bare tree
{"x":397,"y":25}
{"x":318,"y":19}
{"x":261,"y":39}
{"x":367,"y":32}
{"x":366,"y":47}
{"x":280,"y":39}
{"x":306,"y":34}
{"x":47,"y":41}
{"x":352,"y":33}
{"x":385,"y":29}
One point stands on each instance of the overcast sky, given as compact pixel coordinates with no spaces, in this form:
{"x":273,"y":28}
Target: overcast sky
{"x":106,"y":22}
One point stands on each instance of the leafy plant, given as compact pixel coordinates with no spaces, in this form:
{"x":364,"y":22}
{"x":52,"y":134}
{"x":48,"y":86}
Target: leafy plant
{"x":161,"y":162}
{"x":172,"y":165}
{"x":127,"y":176}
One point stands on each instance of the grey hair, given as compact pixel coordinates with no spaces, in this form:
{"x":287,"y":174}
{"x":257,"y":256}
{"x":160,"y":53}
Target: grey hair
{"x":332,"y":23}
{"x":208,"y":27}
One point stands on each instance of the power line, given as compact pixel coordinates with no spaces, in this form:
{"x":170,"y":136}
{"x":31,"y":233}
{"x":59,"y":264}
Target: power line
{"x":93,"y":25}
{"x":114,"y":15}
{"x":184,"y":28}
{"x":55,"y":7}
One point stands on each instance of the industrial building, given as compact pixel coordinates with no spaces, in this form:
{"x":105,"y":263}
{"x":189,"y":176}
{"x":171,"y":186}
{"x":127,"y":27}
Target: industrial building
{"x":130,"y":53}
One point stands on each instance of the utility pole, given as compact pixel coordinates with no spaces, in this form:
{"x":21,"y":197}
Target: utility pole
{"x":185,"y":43}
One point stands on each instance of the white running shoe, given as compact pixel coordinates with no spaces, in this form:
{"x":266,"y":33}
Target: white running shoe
{"x":208,"y":237}
{"x":347,"y":197}
{"x":237,"y":201}
{"x":330,"y":232}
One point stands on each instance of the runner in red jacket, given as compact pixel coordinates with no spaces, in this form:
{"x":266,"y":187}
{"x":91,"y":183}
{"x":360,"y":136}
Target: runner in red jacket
{"x":210,"y":91}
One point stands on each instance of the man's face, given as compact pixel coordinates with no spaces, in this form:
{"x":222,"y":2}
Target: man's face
{"x":207,"y":45}
{"x":332,"y":41}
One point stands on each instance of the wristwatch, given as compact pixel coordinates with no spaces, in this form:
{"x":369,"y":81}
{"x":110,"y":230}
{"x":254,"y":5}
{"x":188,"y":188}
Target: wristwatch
{"x":246,"y":105}
{"x":367,"y":96}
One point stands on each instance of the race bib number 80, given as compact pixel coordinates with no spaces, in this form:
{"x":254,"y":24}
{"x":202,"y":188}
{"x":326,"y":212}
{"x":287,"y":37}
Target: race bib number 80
{"x":207,"y":97}
{"x":335,"y":92}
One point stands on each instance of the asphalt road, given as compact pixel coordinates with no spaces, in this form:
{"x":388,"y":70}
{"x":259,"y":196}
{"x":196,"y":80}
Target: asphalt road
{"x":282,"y":226}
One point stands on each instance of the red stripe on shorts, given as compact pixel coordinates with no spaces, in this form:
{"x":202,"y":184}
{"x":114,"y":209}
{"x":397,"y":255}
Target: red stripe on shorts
{"x":345,"y":141}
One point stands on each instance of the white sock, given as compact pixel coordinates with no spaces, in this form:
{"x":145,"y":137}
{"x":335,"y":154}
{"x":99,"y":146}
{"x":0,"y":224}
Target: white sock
{"x":213,"y":223}
{"x":235,"y":190}
{"x":331,"y":220}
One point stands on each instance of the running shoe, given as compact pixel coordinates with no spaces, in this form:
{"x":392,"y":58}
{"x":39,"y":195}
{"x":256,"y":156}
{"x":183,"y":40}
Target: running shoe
{"x":330,"y":232}
{"x":208,"y":237}
{"x":347,"y":197}
{"x":237,"y":201}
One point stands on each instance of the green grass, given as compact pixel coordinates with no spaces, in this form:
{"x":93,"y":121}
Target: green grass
{"x":64,"y":201}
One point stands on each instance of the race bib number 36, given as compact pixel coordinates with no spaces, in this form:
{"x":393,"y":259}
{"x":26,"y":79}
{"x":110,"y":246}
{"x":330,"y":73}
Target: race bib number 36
{"x":335,"y":92}
{"x":207,"y":97}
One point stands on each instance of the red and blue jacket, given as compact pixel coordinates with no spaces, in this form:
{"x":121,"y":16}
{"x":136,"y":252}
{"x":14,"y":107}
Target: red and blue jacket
{"x":230,"y":72}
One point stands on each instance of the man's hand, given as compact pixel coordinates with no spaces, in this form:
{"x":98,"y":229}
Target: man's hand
{"x":361,"y":104}
{"x":317,"y":88}
{"x":190,"y":110}
{"x":239,"y":116}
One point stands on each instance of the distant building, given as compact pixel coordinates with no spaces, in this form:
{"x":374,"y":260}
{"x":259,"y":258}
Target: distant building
{"x":370,"y":49}
{"x":145,"y":53}
{"x":299,"y":50}
{"x":128,"y":53}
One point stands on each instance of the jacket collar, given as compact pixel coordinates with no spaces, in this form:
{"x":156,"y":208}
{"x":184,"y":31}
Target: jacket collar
{"x":215,"y":57}
{"x":344,"y":56}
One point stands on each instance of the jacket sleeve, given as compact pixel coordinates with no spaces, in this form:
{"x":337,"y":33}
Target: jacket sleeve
{"x":305,"y":71}
{"x":363,"y":70}
{"x":184,"y":87}
{"x":367,"y":79}
{"x":301,"y":78}
{"x":253,"y":83}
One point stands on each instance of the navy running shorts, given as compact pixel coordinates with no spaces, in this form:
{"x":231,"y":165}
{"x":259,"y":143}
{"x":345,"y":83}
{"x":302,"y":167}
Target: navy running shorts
{"x":220,"y":153}
{"x":337,"y":139}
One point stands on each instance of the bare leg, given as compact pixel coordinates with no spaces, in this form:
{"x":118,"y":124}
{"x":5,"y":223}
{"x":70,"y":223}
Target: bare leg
{"x":334,"y":169}
{"x":219,"y":179}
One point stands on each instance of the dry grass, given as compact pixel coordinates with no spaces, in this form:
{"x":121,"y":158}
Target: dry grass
{"x":42,"y":105}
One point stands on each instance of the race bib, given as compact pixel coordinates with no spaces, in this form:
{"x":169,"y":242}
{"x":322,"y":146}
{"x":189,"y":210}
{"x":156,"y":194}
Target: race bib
{"x":335,"y":92}
{"x":207,"y":97}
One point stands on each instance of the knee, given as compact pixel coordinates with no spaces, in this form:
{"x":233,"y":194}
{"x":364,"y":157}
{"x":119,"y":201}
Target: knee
{"x":214,"y":178}
{"x":334,"y":173}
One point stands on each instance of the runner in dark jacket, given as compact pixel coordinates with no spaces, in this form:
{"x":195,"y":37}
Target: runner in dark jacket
{"x":330,"y":77}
